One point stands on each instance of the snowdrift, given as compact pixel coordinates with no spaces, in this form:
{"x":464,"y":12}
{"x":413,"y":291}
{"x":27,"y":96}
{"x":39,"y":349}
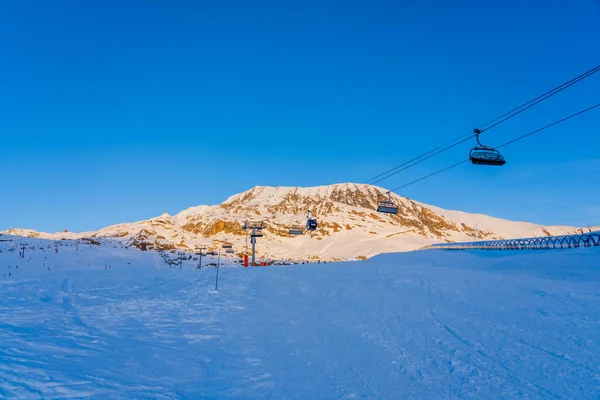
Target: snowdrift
{"x":425,"y":325}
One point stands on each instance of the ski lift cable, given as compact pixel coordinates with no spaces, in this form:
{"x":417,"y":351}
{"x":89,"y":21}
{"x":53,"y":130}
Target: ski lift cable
{"x":281,"y":220}
{"x":424,"y":159}
{"x":430,"y":175}
{"x":495,"y":122}
{"x":416,"y":158}
{"x":541,"y":98}
{"x":502,"y":145}
{"x":574,"y":80}
{"x":548,"y":126}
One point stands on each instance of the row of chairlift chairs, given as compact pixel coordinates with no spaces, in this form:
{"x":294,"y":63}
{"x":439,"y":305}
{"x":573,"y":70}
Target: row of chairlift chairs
{"x":228,"y":248}
{"x":311,"y":225}
{"x":384,"y":206}
{"x":479,"y":155}
{"x":257,"y":227}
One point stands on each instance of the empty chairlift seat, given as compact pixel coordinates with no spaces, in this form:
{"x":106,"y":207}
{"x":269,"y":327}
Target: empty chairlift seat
{"x":387,"y":206}
{"x":486,"y":156}
{"x":296,"y":230}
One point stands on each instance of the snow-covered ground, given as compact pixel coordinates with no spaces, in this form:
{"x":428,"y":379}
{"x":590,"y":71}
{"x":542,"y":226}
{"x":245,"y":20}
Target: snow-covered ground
{"x":419,"y":325}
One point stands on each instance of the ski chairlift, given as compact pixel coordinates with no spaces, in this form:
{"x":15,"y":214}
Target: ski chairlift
{"x":257,"y":233}
{"x":484,"y":155}
{"x":227,"y":246}
{"x":311,"y":223}
{"x":387,"y":206}
{"x":229,"y":251}
{"x":296,"y":230}
{"x":253,"y":225}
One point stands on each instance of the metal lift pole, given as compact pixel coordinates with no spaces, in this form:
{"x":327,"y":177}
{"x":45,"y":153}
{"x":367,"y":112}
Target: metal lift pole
{"x":218,"y":265}
{"x":253,"y":240}
{"x":246,"y":241}
{"x":200,"y":253}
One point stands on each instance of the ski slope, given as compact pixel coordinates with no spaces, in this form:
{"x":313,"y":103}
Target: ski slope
{"x":423,"y":325}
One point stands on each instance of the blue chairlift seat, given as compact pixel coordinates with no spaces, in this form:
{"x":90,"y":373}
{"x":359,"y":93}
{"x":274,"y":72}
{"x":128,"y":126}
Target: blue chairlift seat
{"x":229,"y":251}
{"x":486,"y":156}
{"x":227,"y":246}
{"x":311,"y":224}
{"x":387,"y":207}
{"x":296,"y":230}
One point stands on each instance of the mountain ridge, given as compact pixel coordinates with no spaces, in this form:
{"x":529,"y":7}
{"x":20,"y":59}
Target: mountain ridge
{"x":349,"y":225}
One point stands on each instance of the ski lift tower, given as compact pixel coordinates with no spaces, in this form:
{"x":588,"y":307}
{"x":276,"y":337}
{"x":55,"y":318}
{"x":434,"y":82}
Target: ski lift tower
{"x":255,"y":228}
{"x":200,"y":251}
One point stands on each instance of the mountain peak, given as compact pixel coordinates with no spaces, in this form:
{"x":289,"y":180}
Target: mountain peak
{"x":349,"y":225}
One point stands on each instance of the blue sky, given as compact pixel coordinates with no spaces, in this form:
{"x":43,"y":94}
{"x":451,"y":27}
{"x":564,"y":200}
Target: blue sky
{"x":118,"y":111}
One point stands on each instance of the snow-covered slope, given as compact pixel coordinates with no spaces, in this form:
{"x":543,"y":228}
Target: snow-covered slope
{"x":44,"y":257}
{"x":349,"y":226}
{"x":418,"y":325}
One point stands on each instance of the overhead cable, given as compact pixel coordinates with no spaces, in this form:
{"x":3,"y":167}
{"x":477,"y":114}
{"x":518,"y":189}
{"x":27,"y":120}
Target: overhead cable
{"x":502,"y":145}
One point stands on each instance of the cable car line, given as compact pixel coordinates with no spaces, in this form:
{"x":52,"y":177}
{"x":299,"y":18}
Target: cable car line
{"x":502,"y":145}
{"x":548,"y":126}
{"x":424,"y":159}
{"x":543,"y":97}
{"x":416,"y":158}
{"x":584,"y":75}
{"x":495,"y":122}
{"x":430,"y":175}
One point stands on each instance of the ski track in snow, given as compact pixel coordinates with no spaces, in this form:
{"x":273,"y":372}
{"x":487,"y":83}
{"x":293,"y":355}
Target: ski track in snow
{"x":425,"y":325}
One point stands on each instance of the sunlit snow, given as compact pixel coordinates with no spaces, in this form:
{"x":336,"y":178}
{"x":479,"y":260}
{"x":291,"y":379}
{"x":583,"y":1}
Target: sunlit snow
{"x":422,"y":325}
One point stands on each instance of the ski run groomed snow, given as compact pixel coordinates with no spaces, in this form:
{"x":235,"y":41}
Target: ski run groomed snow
{"x":106,"y":322}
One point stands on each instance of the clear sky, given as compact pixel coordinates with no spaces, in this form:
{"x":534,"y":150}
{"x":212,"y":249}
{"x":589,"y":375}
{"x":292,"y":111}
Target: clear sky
{"x":116,"y":111}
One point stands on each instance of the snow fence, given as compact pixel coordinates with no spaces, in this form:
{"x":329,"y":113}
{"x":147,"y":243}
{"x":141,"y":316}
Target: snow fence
{"x":535,"y":243}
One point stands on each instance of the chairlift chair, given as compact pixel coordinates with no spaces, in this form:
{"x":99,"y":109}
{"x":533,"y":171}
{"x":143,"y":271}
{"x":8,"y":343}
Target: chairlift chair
{"x":227,"y":246}
{"x":296,"y":229}
{"x":484,"y":155}
{"x":229,"y":251}
{"x":387,"y":206}
{"x":311,"y":223}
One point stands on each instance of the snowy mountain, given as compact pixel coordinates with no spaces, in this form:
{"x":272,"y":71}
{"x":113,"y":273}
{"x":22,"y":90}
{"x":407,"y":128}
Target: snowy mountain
{"x":349,"y":226}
